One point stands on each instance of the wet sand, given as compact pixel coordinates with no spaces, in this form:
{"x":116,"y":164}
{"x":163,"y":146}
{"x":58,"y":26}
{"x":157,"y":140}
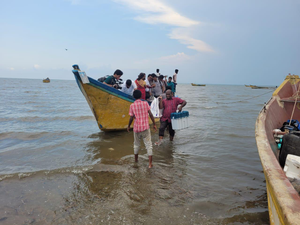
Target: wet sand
{"x":120,"y":193}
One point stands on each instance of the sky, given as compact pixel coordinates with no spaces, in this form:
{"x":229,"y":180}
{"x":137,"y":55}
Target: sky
{"x":209,"y":42}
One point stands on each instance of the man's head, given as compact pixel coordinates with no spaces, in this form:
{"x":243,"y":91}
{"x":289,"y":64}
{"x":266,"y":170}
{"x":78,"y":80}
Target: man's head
{"x":128,"y":83}
{"x":170,"y":79}
{"x":137,"y":94}
{"x":169,"y":94}
{"x":117,"y":74}
{"x":161,"y":77}
{"x":154,"y":77}
{"x":150,"y":77}
{"x":176,"y":71}
{"x":157,"y":70}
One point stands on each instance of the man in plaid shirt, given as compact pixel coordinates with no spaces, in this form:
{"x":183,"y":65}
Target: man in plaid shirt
{"x":139,"y":110}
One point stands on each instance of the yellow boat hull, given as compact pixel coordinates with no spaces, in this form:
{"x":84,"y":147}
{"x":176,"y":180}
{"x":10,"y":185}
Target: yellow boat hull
{"x":109,"y":106}
{"x":198,"y":84}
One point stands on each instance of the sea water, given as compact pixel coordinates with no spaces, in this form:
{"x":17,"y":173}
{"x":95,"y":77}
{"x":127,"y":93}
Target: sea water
{"x":57,"y":167}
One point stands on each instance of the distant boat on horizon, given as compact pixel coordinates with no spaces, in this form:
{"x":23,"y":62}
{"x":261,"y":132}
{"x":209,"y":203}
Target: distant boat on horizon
{"x":261,"y":87}
{"x":198,"y":84}
{"x":47,"y":80}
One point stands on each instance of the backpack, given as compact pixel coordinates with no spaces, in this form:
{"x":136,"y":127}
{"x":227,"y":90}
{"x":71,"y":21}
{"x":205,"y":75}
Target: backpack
{"x":102,"y":79}
{"x":295,"y":126}
{"x":295,"y":123}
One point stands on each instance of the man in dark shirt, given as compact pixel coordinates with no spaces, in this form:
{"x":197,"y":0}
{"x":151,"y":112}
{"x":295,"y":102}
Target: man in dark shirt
{"x":112,"y":80}
{"x":172,"y":85}
{"x":169,"y":105}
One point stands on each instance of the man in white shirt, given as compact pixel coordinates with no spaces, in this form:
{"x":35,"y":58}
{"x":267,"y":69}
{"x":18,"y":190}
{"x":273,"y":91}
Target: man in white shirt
{"x":149,"y":83}
{"x":175,"y":78}
{"x":129,"y":87}
{"x":157,"y":72}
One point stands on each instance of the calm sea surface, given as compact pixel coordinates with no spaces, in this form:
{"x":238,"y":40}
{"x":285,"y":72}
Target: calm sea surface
{"x":56,"y":166}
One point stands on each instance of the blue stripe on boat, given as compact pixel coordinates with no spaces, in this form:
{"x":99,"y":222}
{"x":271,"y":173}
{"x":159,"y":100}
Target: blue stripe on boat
{"x":106,"y":88}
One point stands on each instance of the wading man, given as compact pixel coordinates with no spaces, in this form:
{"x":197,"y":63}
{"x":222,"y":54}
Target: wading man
{"x":169,"y":105}
{"x":140,"y":110}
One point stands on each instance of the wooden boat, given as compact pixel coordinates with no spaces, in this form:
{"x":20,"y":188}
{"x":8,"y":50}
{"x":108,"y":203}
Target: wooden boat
{"x":198,"y":84}
{"x":283,"y":199}
{"x":109,"y":105}
{"x":261,"y":87}
{"x":248,"y":85}
{"x":47,"y":80}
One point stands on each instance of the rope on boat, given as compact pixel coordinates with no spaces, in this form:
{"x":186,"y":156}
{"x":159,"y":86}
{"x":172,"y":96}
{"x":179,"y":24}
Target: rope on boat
{"x":296,"y":95}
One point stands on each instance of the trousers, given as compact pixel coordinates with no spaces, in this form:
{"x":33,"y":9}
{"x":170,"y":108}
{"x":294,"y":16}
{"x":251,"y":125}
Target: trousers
{"x":163,"y":126}
{"x":146,"y":136}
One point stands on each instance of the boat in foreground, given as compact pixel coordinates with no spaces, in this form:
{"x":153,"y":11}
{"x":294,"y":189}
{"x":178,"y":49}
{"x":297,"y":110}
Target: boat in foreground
{"x":109,"y":105}
{"x":198,"y":84}
{"x":283,"y":199}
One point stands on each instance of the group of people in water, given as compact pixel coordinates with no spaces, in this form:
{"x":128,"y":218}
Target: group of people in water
{"x":154,"y":85}
{"x":143,"y":89}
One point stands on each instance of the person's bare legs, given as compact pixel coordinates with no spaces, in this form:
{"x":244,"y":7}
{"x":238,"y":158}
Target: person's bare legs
{"x":136,"y":146}
{"x":148,"y":144}
{"x":160,"y":140}
{"x":150,"y":161}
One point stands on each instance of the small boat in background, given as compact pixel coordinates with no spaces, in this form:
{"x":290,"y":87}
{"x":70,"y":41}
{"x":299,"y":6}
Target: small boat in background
{"x":248,"y":85}
{"x":198,"y":84}
{"x":47,"y":80}
{"x":110,"y":106}
{"x":261,"y":87}
{"x":284,"y":105}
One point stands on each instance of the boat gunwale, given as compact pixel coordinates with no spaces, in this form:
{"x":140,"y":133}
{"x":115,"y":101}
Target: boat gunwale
{"x":104,"y":87}
{"x":284,"y":196}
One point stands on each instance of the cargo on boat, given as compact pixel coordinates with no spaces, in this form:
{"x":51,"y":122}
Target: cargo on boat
{"x":283,"y":107}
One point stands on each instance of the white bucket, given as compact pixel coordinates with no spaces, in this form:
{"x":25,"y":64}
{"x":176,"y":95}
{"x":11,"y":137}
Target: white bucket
{"x":292,"y":166}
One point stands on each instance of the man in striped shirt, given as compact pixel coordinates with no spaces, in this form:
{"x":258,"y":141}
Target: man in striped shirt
{"x":140,"y":110}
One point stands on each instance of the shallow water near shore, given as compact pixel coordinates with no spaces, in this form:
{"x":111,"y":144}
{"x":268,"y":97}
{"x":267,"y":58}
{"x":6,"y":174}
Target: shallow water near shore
{"x":57,"y":167}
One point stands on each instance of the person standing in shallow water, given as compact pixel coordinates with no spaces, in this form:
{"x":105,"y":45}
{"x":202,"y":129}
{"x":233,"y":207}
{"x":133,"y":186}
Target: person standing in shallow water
{"x":175,"y":78}
{"x":169,"y":105}
{"x":140,"y":110}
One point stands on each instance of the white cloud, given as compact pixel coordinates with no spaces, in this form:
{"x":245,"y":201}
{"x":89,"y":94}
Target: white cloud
{"x":36,"y":66}
{"x":185,"y":38}
{"x":159,"y":13}
{"x":180,"y":56}
{"x":12,"y":68}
